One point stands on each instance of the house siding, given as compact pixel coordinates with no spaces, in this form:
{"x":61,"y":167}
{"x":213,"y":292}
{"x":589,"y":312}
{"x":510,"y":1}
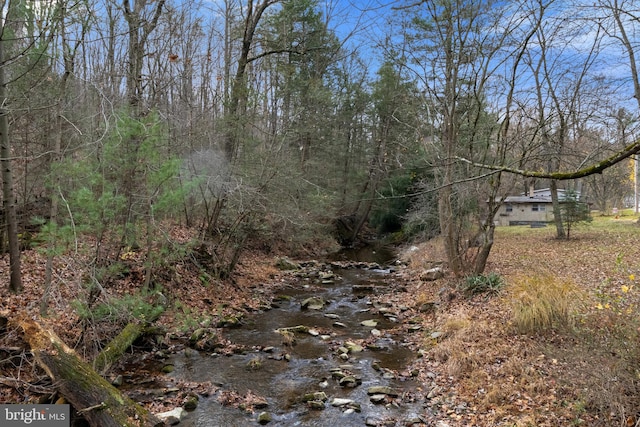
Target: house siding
{"x":523,"y":214}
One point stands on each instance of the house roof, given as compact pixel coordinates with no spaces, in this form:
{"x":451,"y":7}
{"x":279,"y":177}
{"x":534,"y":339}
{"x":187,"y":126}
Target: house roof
{"x":539,"y":196}
{"x":527,"y":199}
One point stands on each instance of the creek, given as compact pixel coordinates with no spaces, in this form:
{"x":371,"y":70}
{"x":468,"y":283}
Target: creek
{"x":284,"y":367}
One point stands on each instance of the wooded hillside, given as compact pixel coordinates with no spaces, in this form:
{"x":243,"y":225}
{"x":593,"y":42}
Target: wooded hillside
{"x":301,"y":122}
{"x":142,"y":140}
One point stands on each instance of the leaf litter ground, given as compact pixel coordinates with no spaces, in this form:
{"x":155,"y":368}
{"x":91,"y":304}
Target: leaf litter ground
{"x":476,"y":370}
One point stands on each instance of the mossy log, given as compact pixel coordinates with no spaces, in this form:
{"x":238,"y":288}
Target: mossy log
{"x":122,"y":342}
{"x":118,"y":346}
{"x":101,"y":404}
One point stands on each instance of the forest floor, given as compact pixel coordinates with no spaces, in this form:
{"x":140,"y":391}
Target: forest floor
{"x":557,"y":345}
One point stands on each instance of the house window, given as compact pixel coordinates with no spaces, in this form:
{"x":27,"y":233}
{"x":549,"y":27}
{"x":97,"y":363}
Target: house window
{"x":537,"y":208}
{"x":508,"y":208}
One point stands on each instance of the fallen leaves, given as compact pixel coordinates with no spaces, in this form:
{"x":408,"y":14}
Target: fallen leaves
{"x":479,"y":372}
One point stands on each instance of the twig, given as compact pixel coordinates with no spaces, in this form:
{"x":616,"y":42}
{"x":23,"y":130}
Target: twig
{"x":100,"y":405}
{"x":21,"y":384}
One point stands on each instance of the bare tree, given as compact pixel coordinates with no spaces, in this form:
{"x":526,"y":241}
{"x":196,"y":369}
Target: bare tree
{"x":18,"y":37}
{"x":560,"y":76}
{"x":142,"y":18}
{"x":460,"y":45}
{"x":9,"y":200}
{"x":70,"y":45}
{"x":252,"y":14}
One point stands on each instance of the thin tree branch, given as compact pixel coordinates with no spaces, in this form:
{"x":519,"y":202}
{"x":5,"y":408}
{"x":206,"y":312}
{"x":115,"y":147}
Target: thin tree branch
{"x":597,"y":168}
{"x":284,"y":50}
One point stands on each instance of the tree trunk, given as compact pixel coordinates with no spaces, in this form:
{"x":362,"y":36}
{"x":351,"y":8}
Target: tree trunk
{"x":486,"y":235}
{"x":121,"y":343}
{"x":377,"y":172}
{"x":68,"y":57}
{"x":238,"y":86}
{"x":139,"y":31}
{"x":9,"y":200}
{"x":449,"y":231}
{"x":101,"y":404}
{"x":557,"y":212}
{"x":449,"y":221}
{"x":448,"y":217}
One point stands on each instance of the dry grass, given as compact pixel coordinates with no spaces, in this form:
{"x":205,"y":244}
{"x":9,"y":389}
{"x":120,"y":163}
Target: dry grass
{"x":423,"y":298}
{"x":455,"y":324}
{"x":591,"y":369}
{"x":425,"y":255}
{"x":543,"y":303}
{"x":456,"y":349}
{"x":499,"y":374}
{"x":561,"y":347}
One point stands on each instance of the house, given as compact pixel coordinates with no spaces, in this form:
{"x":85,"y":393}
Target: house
{"x":533,"y":209}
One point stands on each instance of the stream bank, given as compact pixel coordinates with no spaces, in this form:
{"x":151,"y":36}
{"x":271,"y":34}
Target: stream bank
{"x":329,"y":350}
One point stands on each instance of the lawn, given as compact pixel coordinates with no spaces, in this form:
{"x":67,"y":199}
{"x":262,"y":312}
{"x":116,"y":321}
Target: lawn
{"x":558,"y":346}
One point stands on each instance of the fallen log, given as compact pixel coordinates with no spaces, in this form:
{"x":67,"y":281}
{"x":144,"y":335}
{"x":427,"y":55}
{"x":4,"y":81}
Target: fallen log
{"x":117,"y":347}
{"x":123,"y":341}
{"x":101,"y":404}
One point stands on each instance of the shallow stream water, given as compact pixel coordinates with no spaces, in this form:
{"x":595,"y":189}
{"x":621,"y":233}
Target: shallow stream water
{"x":265,"y":371}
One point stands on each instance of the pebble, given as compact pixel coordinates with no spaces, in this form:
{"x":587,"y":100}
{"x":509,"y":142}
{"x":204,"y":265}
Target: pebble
{"x":369,"y":323}
{"x":337,"y":401}
{"x":264,"y":418}
{"x":377,"y":398}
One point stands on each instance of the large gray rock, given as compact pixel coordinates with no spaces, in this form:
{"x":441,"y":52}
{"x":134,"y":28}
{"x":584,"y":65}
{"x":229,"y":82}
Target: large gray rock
{"x":313,"y":303}
{"x":337,"y":401}
{"x":285,"y":263}
{"x":172,"y":417}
